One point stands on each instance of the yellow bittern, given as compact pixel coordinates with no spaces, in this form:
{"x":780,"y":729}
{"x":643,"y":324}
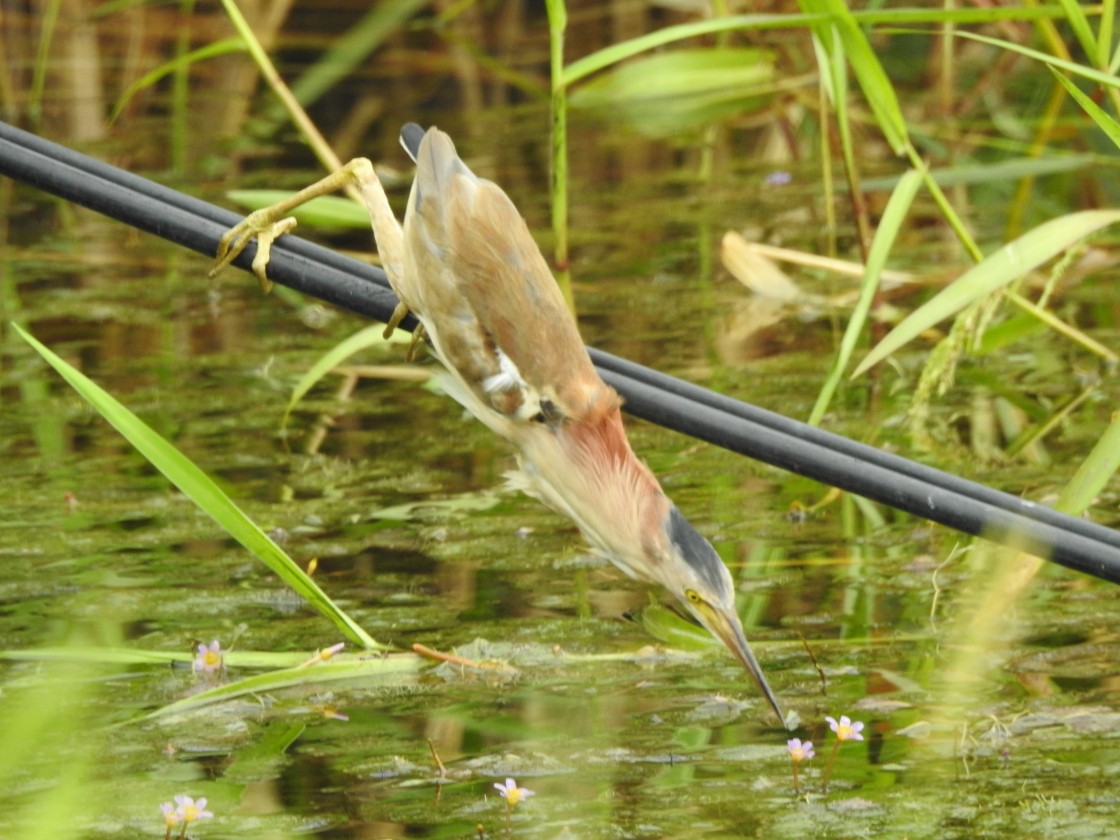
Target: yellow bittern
{"x":466,"y":266}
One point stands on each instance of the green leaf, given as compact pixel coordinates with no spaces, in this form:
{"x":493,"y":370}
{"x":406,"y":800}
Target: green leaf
{"x":134,"y":656}
{"x":1106,"y":79}
{"x":369,"y":670}
{"x":1101,"y":117}
{"x":218,"y":48}
{"x":682,"y":90}
{"x":1094,"y":473}
{"x":369,"y":337}
{"x":615,"y":53}
{"x":1079,"y":23}
{"x":877,"y":88}
{"x":994,"y":172}
{"x":889,"y":226}
{"x":326,"y":211}
{"x":1007,"y":264}
{"x":200,"y":489}
{"x":668,"y":627}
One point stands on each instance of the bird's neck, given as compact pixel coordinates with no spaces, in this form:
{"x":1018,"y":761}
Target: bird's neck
{"x":624,"y":504}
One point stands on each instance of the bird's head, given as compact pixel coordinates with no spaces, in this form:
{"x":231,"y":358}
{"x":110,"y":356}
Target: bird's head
{"x":688,"y":566}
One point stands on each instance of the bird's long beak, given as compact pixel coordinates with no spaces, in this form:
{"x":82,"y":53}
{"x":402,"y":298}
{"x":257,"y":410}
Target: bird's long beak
{"x":725,"y":626}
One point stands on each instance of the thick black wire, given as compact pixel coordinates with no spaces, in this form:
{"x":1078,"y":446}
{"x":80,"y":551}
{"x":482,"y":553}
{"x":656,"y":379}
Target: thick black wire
{"x":665,"y":400}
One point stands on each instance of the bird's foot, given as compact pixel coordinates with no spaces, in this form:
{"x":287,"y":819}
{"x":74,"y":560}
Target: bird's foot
{"x":270,"y":223}
{"x":266,"y":229}
{"x":418,"y":334}
{"x":395,"y":320}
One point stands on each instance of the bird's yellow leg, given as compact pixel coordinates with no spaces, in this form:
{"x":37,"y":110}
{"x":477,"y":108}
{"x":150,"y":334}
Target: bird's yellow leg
{"x":270,"y":223}
{"x":395,"y":320}
{"x":418,"y":335}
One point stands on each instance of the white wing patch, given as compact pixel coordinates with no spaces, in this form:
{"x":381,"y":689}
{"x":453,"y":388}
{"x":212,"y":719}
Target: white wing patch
{"x":507,"y":378}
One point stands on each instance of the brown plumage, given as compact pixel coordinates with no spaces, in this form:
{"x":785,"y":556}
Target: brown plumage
{"x":467,"y":267}
{"x":473,"y":276}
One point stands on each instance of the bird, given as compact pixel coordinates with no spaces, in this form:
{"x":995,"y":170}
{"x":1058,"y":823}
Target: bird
{"x":465,"y":264}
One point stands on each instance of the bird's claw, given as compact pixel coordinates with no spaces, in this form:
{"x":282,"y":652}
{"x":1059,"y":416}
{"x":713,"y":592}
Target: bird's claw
{"x":261,"y":225}
{"x":418,"y":334}
{"x":395,"y":320}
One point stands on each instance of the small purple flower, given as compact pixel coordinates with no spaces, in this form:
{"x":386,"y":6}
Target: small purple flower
{"x":846,"y":730}
{"x":327,"y":653}
{"x":798,"y":751}
{"x":189,"y":810}
{"x":170,"y":815}
{"x":778,"y":178}
{"x":209,"y":659}
{"x":512,"y":792}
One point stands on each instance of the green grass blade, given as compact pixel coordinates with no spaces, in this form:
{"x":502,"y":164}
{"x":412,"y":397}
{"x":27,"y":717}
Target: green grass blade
{"x":877,"y":88}
{"x":353,"y":48}
{"x":1101,"y":117}
{"x":368,"y":337}
{"x":609,"y":56}
{"x":346,"y":53}
{"x":996,"y":172}
{"x":200,"y":489}
{"x":135,"y":656}
{"x":218,"y":48}
{"x":1094,"y":473}
{"x":889,"y":226}
{"x":396,"y":667}
{"x":558,"y":91}
{"x":1079,"y":23}
{"x":52,"y":716}
{"x":993,"y":273}
{"x":1104,"y":35}
{"x":590,"y":64}
{"x":1101,"y":78}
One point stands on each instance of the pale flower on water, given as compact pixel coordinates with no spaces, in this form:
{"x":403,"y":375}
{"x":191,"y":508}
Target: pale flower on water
{"x":512,"y":793}
{"x":208,"y":660}
{"x":189,"y":810}
{"x":846,"y":730}
{"x":170,"y":814}
{"x":799,"y":751}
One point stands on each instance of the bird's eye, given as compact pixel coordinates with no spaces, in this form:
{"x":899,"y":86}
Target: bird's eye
{"x":693,"y":596}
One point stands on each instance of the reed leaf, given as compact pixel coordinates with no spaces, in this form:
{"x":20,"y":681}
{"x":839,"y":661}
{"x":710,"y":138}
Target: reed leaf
{"x":683,"y":90}
{"x":136,"y":656}
{"x":218,"y":48}
{"x":1102,"y":118}
{"x":889,"y":226}
{"x":608,"y":56}
{"x":1101,"y":78}
{"x":1079,"y":23}
{"x":877,"y":88}
{"x":1094,"y":473}
{"x":995,"y":272}
{"x":395,"y":668}
{"x":200,"y":488}
{"x":371,"y":336}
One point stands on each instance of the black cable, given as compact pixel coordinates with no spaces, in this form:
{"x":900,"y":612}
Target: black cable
{"x":665,"y":400}
{"x":885,"y":462}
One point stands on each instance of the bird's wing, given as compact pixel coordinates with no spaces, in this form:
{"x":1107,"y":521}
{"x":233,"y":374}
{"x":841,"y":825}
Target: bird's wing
{"x":485,"y":291}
